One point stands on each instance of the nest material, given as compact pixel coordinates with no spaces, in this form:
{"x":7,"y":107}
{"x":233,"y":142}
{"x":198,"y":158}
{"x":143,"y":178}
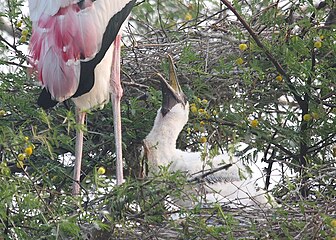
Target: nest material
{"x":301,"y":221}
{"x":144,"y":58}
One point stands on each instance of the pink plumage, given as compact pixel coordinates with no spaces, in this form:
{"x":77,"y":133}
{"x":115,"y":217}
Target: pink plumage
{"x":72,"y":49}
{"x":66,"y":32}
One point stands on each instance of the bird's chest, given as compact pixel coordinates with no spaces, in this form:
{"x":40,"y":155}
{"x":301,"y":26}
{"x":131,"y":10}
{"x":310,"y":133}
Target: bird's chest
{"x":157,"y":156}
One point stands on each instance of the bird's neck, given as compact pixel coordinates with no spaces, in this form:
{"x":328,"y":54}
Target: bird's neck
{"x":161,"y":141}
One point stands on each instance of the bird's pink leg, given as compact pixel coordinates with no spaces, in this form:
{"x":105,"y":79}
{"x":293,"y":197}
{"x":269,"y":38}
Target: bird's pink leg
{"x":80,"y":117}
{"x":117,"y":93}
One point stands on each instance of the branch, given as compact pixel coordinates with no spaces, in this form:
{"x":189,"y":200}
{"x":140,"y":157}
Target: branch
{"x":270,"y":57}
{"x":231,"y":124}
{"x":18,"y":52}
{"x":209,"y":172}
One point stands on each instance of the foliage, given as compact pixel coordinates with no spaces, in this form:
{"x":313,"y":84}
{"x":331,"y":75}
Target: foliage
{"x":269,"y":83}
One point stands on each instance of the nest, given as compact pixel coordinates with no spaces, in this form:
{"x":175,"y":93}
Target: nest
{"x":294,"y":221}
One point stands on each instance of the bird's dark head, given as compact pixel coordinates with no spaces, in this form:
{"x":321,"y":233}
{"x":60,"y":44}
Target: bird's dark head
{"x":171,"y":117}
{"x":172,"y":93}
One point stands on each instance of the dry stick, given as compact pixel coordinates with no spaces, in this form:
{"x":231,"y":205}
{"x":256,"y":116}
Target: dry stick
{"x":269,"y":170}
{"x":209,"y":172}
{"x":17,"y":51}
{"x":267,"y":53}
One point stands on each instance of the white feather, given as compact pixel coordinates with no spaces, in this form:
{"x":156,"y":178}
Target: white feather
{"x":225,"y":185}
{"x":48,"y":7}
{"x":80,"y":34}
{"x":100,"y":93}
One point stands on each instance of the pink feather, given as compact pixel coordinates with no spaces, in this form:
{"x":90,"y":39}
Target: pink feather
{"x":64,"y":34}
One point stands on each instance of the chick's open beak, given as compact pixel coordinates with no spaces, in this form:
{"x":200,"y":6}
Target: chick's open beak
{"x":172,"y":93}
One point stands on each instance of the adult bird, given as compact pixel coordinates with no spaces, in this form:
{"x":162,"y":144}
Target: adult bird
{"x":222,"y":175}
{"x":75,"y":48}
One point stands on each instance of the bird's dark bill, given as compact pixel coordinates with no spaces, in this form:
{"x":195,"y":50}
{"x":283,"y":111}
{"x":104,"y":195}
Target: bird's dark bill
{"x":172,"y":93}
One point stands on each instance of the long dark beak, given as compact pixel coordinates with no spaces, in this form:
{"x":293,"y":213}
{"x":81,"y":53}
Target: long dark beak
{"x":172,"y":93}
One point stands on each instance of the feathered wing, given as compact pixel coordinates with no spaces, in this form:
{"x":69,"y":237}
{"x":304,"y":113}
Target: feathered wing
{"x":232,"y":185}
{"x":196,"y":167}
{"x":67,"y":33}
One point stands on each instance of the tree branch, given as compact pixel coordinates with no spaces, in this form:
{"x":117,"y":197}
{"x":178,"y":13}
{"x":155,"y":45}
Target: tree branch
{"x":275,"y":63}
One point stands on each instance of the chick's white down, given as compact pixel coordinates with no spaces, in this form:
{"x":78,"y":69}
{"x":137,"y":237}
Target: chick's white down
{"x":232,"y":186}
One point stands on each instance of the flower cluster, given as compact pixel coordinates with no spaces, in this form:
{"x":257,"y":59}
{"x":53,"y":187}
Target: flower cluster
{"x":310,"y":116}
{"x":199,"y":108}
{"x":254,"y":123}
{"x":188,"y":17}
{"x":24,"y":35}
{"x":318,"y":42}
{"x":279,"y":78}
{"x":242,"y":47}
{"x":28,"y":151}
{"x":101,"y":171}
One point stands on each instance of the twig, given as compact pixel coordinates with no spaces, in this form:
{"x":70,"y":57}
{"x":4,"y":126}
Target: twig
{"x":276,"y":64}
{"x":209,"y":172}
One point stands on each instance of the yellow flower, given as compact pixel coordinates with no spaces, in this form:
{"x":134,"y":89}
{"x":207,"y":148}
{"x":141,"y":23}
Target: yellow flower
{"x":101,"y":170}
{"x":188,"y":17}
{"x":26,"y":138}
{"x":279,"y":78}
{"x":318,"y":44}
{"x":188,"y":130}
{"x":23,"y":38}
{"x":202,"y":123}
{"x":203,"y":139}
{"x":29,"y":151}
{"x":20,"y":164}
{"x":204,"y":101}
{"x":193,"y":108}
{"x":201,"y":111}
{"x":24,"y":32}
{"x":19,"y":24}
{"x":21,"y":156}
{"x":242,"y":46}
{"x":214,"y":112}
{"x":254,"y":123}
{"x":307,"y":117}
{"x":2,"y":113}
{"x":239,"y":61}
{"x":333,"y":223}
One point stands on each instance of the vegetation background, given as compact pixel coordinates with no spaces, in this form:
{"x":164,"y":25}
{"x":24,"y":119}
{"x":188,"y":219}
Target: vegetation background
{"x":261,"y":73}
